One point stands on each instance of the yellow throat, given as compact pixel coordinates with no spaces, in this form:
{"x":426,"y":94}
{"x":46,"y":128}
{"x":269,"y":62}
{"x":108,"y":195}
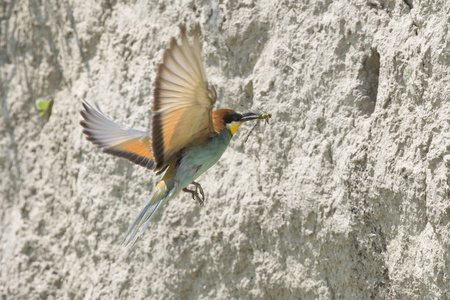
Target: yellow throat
{"x":233,"y":126}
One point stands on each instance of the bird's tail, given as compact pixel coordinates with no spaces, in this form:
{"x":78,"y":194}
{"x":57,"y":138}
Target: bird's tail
{"x":162,"y":193}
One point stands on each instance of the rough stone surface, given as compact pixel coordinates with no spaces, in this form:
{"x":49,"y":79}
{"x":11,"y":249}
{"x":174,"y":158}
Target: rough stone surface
{"x":345,"y":195}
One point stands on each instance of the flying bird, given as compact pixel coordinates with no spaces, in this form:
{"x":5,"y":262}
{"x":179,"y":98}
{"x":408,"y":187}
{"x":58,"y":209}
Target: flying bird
{"x":187,"y":137}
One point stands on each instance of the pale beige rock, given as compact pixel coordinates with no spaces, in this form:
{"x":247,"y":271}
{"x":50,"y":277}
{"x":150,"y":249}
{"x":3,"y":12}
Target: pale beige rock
{"x":344,"y":195}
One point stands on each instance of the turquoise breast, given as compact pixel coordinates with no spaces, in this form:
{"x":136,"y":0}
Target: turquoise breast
{"x":197,"y":159}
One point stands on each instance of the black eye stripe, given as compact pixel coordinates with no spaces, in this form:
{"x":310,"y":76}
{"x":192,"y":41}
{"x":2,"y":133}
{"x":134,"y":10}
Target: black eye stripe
{"x":233,"y":117}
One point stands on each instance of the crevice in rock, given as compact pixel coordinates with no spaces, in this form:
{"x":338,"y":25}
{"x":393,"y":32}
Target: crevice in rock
{"x":369,"y":76}
{"x":409,"y":3}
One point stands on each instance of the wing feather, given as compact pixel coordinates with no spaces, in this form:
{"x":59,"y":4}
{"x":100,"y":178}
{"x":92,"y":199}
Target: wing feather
{"x":116,"y":139}
{"x":183,"y":102}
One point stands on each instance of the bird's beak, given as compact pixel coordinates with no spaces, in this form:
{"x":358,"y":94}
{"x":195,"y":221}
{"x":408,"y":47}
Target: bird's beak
{"x":255,"y":116}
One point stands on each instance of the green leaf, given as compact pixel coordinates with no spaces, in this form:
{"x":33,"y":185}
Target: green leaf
{"x":44,"y":104}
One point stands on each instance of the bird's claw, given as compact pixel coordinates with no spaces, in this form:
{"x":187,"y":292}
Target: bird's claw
{"x":195,"y":194}
{"x":198,"y":187}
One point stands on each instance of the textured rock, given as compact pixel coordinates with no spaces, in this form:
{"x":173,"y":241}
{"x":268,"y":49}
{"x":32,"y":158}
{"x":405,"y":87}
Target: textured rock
{"x":344,"y":195}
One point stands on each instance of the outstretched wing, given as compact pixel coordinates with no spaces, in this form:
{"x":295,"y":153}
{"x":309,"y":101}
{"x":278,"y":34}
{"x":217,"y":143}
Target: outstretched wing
{"x":116,"y":139}
{"x":182,"y":102}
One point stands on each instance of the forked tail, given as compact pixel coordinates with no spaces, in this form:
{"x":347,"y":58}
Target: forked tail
{"x":160,"y":196}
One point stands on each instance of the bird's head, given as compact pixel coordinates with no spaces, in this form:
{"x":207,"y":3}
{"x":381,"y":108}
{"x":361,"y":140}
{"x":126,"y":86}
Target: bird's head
{"x":232,"y":120}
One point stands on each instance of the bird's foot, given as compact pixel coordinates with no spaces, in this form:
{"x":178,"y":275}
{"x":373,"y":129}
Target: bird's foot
{"x":198,"y":187}
{"x":195,"y":194}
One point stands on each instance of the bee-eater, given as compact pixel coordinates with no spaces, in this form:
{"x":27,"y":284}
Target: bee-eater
{"x":187,"y":137}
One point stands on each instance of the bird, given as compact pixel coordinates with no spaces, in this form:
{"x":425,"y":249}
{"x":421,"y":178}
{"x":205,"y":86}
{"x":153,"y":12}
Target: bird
{"x":187,"y":136}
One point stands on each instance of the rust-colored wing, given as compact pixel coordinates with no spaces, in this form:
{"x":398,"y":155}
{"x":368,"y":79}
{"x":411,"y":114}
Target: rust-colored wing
{"x":182,"y":102}
{"x":116,"y":139}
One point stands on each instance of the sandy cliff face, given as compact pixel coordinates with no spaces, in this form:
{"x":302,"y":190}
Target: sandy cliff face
{"x":344,"y":195}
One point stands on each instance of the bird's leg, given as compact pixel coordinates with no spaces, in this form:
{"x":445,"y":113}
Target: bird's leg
{"x":195,"y":194}
{"x":198,"y":187}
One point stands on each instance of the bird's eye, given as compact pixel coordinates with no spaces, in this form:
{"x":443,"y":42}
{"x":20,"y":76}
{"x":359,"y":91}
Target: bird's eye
{"x":233,"y":117}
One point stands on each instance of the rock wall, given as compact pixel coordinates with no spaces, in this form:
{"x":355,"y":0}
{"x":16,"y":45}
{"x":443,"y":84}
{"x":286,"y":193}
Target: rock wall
{"x":344,"y":195}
